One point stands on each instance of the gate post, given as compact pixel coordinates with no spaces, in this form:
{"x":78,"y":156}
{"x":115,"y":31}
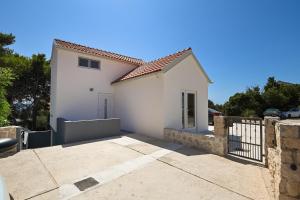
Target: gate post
{"x":288,"y":138}
{"x":221,"y":131}
{"x":270,"y":137}
{"x":284,"y":159}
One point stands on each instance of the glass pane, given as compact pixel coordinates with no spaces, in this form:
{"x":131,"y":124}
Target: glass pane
{"x":182,"y":109}
{"x":191,"y":110}
{"x":94,"y":64}
{"x":83,"y":62}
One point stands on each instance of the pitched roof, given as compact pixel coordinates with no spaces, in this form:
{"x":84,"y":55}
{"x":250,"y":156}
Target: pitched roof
{"x":97,"y":52}
{"x":143,"y":68}
{"x":153,"y":66}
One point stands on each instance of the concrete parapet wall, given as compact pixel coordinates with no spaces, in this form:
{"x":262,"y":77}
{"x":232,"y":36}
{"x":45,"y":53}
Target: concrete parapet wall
{"x":74,"y":131}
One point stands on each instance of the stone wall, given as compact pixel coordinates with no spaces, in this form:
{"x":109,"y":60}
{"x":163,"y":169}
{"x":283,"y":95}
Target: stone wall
{"x":283,"y":147}
{"x":11,"y":132}
{"x":212,"y":142}
{"x":203,"y":141}
{"x":8,"y":132}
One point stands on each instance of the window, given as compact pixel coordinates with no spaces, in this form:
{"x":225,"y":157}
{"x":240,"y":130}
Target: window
{"x":94,"y":64}
{"x":84,"y":62}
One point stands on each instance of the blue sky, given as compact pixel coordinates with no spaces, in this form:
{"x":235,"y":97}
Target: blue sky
{"x":239,"y":42}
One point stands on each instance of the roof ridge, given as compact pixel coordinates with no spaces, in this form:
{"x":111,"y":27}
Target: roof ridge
{"x":180,"y":51}
{"x":109,"y":52}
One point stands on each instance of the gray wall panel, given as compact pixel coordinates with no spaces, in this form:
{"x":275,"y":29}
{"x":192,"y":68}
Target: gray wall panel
{"x":74,"y":131}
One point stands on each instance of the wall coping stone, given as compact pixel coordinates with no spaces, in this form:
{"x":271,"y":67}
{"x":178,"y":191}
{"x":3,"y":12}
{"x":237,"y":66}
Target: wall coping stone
{"x":290,"y":122}
{"x":203,"y":140}
{"x":200,"y":133}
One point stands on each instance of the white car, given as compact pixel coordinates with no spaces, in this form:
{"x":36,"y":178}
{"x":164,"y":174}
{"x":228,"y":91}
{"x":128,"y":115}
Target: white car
{"x":292,"y":113}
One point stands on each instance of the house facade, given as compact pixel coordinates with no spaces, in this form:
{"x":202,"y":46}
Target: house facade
{"x":88,"y":83}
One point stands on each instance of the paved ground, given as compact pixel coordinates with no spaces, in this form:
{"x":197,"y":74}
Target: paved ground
{"x":130,"y":167}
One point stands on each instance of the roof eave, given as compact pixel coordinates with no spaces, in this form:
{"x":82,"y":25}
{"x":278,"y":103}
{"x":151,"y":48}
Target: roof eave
{"x":91,"y":54}
{"x":137,"y":77}
{"x":182,"y":57}
{"x":176,"y":61}
{"x":202,"y":69}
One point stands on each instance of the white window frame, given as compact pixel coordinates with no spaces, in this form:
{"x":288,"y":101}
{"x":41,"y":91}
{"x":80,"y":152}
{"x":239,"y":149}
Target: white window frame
{"x":185,"y":125}
{"x":89,"y":63}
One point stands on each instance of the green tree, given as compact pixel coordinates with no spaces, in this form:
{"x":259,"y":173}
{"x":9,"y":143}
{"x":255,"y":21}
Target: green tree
{"x":6,"y":77}
{"x":245,"y":103}
{"x":252,"y":102}
{"x":271,"y":83}
{"x":256,"y":103}
{"x":33,"y":86}
{"x":6,"y":40}
{"x":5,"y":81}
{"x":281,"y":95}
{"x":249,"y":113}
{"x":275,"y":99}
{"x":218,"y":107}
{"x":211,"y":104}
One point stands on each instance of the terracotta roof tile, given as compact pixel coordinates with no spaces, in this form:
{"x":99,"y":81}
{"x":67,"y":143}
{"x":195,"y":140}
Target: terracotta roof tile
{"x":97,"y":52}
{"x":151,"y":67}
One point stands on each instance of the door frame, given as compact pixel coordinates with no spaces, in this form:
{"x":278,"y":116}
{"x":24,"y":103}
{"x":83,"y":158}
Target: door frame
{"x":185,"y":125}
{"x":100,"y":108}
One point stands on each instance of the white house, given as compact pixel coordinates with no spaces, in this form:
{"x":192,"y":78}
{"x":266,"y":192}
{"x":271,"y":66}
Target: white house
{"x":88,"y":83}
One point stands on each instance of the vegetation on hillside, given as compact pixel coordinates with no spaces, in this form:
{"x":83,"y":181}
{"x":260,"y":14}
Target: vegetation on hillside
{"x":253,"y":101}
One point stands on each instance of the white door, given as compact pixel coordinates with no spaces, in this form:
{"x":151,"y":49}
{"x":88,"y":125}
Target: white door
{"x":188,"y":110}
{"x":105,"y":106}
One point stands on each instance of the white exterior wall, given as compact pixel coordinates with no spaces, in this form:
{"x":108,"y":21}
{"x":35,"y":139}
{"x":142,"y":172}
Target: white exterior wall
{"x":145,"y":105}
{"x":139,"y":105}
{"x":151,"y":103}
{"x":70,"y":89}
{"x":186,"y":75}
{"x":53,"y":86}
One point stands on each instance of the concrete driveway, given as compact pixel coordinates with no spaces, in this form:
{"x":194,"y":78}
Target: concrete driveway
{"x":130,"y":167}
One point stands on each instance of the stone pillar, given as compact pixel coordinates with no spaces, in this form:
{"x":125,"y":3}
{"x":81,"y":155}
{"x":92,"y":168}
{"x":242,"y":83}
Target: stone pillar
{"x":288,"y":141}
{"x":221,"y":131}
{"x":11,"y":132}
{"x":270,"y":139}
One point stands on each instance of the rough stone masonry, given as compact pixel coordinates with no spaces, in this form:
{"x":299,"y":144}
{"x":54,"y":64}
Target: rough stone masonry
{"x":283,"y":157}
{"x":212,"y":142}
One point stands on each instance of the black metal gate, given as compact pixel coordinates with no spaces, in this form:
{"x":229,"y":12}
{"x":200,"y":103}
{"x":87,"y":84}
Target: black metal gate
{"x":246,"y":137}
